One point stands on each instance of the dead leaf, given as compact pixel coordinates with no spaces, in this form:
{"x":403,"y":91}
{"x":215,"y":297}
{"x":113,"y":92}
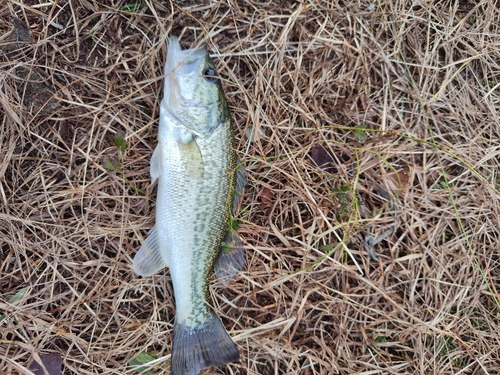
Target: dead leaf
{"x":321,"y":157}
{"x":400,"y":180}
{"x":37,"y":95}
{"x":16,"y":37}
{"x":265,"y":196}
{"x":52,"y":363}
{"x":253,"y":134}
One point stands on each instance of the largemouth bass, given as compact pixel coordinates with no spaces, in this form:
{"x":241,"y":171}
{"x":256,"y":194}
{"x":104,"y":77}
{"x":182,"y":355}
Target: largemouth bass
{"x":198,"y":178}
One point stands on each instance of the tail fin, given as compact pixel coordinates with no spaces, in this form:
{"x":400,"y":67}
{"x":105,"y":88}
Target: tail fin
{"x":196,"y":348}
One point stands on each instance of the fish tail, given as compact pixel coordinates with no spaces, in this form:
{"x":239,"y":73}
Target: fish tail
{"x":196,"y":348}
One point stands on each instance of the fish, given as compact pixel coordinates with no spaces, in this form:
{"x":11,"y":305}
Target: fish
{"x":200,"y":182}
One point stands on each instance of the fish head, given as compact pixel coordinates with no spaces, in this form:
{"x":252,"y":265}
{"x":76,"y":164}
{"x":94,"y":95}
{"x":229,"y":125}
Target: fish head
{"x":193,"y":92}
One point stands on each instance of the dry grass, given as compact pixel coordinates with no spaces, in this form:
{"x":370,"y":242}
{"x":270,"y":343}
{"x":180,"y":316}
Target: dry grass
{"x":405,"y":96}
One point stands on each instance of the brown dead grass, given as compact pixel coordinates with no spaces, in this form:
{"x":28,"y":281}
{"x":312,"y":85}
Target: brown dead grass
{"x":405,"y":96}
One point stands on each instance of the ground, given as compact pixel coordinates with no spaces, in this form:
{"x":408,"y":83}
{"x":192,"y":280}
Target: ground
{"x":370,"y":133}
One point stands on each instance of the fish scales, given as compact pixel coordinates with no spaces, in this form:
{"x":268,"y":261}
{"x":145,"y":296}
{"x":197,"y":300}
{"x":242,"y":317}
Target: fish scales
{"x":196,"y":168}
{"x":193,"y":215}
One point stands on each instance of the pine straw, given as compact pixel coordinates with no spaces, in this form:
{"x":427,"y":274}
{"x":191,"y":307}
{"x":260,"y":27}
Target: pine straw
{"x":405,"y":98}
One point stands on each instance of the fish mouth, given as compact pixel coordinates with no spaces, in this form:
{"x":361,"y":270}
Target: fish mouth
{"x":177,"y":57}
{"x":181,"y":62}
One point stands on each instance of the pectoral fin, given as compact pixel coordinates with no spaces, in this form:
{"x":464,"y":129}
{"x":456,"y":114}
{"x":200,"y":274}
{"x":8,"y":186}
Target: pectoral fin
{"x":149,"y":258}
{"x":191,"y":157}
{"x":155,"y":164}
{"x":231,"y":258}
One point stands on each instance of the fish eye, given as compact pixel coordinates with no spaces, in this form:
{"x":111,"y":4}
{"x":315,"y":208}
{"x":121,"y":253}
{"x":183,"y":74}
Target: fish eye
{"x":210,"y":74}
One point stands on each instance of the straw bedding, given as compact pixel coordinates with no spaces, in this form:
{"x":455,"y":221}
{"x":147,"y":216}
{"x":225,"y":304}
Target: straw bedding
{"x":363,"y":126}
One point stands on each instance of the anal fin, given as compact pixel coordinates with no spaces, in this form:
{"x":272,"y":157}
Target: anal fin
{"x":231,"y":258}
{"x":149,"y":259}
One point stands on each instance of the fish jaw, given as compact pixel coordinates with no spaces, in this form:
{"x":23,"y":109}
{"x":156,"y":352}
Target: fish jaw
{"x":179,"y":60}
